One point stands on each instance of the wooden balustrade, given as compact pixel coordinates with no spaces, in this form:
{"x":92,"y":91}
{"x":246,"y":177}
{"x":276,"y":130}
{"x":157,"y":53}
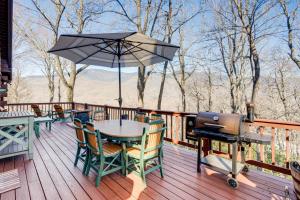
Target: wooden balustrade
{"x":258,"y":155}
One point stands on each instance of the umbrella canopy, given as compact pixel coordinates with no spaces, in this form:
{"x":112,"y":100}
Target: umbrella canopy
{"x":129,"y":49}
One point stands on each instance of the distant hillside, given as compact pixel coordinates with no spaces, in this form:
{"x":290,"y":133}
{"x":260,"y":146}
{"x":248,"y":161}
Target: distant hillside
{"x":101,"y":87}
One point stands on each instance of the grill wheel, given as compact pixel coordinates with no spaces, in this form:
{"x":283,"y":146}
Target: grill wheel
{"x":232,"y":183}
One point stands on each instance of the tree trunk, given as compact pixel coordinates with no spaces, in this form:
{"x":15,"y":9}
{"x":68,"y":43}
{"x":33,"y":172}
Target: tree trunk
{"x":70,"y":94}
{"x":162,"y":84}
{"x":59,"y":91}
{"x":169,"y":37}
{"x":210,"y":85}
{"x":183,"y":99}
{"x":141,"y":85}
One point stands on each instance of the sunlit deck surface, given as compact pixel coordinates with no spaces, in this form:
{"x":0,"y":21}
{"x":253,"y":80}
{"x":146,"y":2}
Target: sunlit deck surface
{"x":52,"y":175}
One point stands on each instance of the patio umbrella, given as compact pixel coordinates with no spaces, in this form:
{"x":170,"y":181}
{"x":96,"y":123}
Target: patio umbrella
{"x":128,"y":49}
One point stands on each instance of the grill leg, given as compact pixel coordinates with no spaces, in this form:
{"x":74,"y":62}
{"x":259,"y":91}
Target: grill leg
{"x":234,"y":159}
{"x":199,"y":154}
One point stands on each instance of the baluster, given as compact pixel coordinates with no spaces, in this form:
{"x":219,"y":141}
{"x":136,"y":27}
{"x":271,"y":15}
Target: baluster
{"x":182,"y":131}
{"x":177,"y":127}
{"x":273,"y":145}
{"x":261,"y":147}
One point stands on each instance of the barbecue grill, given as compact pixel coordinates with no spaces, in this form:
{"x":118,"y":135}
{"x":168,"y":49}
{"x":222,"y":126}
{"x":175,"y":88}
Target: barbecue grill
{"x":227,"y":128}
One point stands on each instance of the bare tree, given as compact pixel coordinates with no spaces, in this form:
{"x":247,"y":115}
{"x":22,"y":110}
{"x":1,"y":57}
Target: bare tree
{"x":231,"y":45}
{"x":174,"y":22}
{"x":184,"y":72}
{"x":78,"y":14}
{"x":40,"y":48}
{"x":290,"y":16}
{"x":195,"y":89}
{"x":255,"y":24}
{"x":18,"y":91}
{"x":144,"y":20}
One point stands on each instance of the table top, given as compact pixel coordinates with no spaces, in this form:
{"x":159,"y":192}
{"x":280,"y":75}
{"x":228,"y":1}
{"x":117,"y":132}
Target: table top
{"x":43,"y":119}
{"x":15,"y":114}
{"x":129,"y":129}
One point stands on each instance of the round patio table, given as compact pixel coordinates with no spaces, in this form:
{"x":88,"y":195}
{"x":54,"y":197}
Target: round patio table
{"x":130,"y":131}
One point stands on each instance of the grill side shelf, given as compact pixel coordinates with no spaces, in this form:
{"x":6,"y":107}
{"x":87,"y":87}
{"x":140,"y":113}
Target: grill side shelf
{"x":255,"y":138}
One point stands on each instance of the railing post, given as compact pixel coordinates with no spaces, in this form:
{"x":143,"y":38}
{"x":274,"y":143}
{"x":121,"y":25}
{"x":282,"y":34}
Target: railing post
{"x":273,"y":145}
{"x":106,"y":112}
{"x":261,"y":147}
{"x":73,"y":106}
{"x":287,"y":148}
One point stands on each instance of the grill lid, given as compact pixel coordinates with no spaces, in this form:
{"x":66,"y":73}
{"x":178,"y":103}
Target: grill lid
{"x":219,"y":122}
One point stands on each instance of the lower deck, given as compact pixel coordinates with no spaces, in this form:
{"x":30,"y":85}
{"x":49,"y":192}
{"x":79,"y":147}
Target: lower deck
{"x":52,"y":175}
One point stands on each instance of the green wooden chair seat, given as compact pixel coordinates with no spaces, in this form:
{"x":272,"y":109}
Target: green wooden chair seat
{"x":142,"y":158}
{"x":104,"y":158}
{"x":82,"y":150}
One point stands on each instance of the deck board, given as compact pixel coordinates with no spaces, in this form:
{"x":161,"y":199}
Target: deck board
{"x":52,"y":175}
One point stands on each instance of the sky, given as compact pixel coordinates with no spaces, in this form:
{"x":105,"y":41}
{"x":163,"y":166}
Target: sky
{"x":106,"y":23}
{"x":114,"y":23}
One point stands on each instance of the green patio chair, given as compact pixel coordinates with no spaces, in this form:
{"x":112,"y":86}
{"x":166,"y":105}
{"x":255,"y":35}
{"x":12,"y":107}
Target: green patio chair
{"x":154,"y":117}
{"x":82,"y":151}
{"x":150,"y":148}
{"x":104,"y":158}
{"x":37,"y":111}
{"x":141,"y":117}
{"x":60,"y":114}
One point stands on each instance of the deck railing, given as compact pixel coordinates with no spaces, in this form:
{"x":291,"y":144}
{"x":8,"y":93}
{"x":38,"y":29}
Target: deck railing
{"x":275,"y":157}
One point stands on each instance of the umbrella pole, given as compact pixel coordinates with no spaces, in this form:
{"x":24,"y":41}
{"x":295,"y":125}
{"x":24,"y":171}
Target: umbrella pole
{"x":120,"y":88}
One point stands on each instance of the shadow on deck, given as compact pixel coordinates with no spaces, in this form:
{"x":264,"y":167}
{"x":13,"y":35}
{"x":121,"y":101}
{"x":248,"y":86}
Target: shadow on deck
{"x":52,"y":175}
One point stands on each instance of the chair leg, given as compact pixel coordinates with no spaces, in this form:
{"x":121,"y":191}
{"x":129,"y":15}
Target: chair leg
{"x":86,"y":161}
{"x":126,"y":164}
{"x":100,"y":172}
{"x":142,"y":171}
{"x":160,"y":164}
{"x":77,"y":155}
{"x":88,"y":165}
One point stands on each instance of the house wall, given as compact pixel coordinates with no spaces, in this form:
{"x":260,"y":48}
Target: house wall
{"x":6,"y":11}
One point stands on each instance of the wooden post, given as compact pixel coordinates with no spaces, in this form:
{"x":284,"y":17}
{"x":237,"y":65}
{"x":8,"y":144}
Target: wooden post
{"x":261,"y":147}
{"x":273,"y":146}
{"x":106,"y":112}
{"x":287,"y":147}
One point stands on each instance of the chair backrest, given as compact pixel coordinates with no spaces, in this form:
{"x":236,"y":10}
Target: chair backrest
{"x":93,"y":138}
{"x":155,"y":117}
{"x":153,"y":138}
{"x":59,"y":111}
{"x":79,"y":132}
{"x":141,"y":117}
{"x":36,"y":110}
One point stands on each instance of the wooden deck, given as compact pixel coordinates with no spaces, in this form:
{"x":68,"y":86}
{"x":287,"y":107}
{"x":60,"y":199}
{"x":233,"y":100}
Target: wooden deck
{"x":51,"y":175}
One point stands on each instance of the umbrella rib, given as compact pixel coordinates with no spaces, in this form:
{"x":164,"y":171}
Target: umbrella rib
{"x":91,"y":37}
{"x":112,"y":65}
{"x":136,"y":57}
{"x":114,"y":51}
{"x":152,"y":52}
{"x":124,"y":53}
{"x":105,"y":50}
{"x":68,"y":48}
{"x":100,"y":49}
